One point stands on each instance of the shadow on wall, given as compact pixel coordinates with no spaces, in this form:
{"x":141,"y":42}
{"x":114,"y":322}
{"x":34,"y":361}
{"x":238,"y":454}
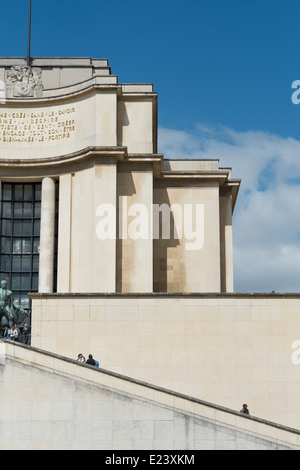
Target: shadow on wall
{"x":166,"y":272}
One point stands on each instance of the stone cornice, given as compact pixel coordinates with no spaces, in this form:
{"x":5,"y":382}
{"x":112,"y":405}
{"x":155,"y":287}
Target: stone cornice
{"x":218,"y":296}
{"x":63,"y":163}
{"x":79,"y":90}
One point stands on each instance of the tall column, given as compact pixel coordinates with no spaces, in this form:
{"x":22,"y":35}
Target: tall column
{"x":64,"y":234}
{"x":104,"y":243}
{"x":93,"y":229}
{"x":47,"y":234}
{"x":135,"y":238}
{"x":226,"y":242}
{"x":228,"y":245}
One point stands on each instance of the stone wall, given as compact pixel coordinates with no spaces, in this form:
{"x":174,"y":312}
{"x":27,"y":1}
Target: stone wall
{"x":49,"y":402}
{"x":227,"y":349}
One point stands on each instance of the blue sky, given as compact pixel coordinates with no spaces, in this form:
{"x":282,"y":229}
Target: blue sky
{"x":229,"y":62}
{"x":223,"y":70}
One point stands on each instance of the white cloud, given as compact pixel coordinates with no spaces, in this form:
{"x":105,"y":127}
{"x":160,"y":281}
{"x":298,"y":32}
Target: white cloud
{"x":267,"y":216}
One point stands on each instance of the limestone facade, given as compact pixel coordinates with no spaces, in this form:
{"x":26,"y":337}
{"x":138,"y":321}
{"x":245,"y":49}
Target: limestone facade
{"x":52,"y":403}
{"x":132,"y":252}
{"x":227,"y":349}
{"x":128,"y":220}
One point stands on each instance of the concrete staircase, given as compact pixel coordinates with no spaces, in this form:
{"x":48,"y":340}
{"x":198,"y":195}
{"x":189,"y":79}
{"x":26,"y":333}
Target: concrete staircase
{"x":53,"y":402}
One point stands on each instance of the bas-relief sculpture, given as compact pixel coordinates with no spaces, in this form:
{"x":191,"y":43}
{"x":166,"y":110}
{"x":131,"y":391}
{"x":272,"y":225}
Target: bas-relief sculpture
{"x":10,"y":312}
{"x":24,"y":81}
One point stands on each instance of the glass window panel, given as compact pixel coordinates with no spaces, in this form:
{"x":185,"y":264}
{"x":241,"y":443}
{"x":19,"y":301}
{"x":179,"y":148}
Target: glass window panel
{"x":5,"y":263}
{"x":16,"y":263}
{"x":25,"y":281}
{"x":18,"y":192}
{"x":6,"y":227}
{"x":15,"y":281}
{"x":28,"y":192}
{"x":5,"y":245}
{"x":35,"y":263}
{"x":19,"y":238}
{"x":4,"y":277}
{"x":27,"y":227}
{"x":18,"y":209}
{"x":35,"y":282}
{"x":37,"y":228}
{"x":17,"y":245}
{"x":6,"y":195}
{"x":26,"y":245}
{"x":36,"y":245}
{"x":24,"y":301}
{"x":6,"y":209}
{"x":38,"y":192}
{"x":37,"y":210}
{"x":17,"y":229}
{"x":27,"y":210}
{"x":26,"y":264}
{"x":17,"y":297}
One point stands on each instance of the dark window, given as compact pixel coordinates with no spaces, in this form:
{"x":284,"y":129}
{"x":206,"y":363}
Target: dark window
{"x":20,"y":239}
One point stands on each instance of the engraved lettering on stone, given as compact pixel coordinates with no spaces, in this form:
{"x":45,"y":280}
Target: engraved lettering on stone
{"x":24,"y":80}
{"x":31,"y":127}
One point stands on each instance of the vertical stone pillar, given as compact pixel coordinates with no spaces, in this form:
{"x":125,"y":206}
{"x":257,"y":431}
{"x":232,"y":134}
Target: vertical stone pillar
{"x":64,"y":234}
{"x":47,"y":234}
{"x":228,"y":246}
{"x":226,"y":243}
{"x":93,"y":229}
{"x":135,"y":234}
{"x":104,"y":236}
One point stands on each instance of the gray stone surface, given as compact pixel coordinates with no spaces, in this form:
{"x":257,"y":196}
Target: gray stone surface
{"x":53,"y":73}
{"x":44,"y":410}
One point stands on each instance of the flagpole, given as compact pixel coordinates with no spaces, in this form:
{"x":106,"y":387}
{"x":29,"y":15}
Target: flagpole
{"x":29,"y":35}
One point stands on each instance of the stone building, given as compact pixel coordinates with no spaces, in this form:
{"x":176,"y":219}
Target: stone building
{"x":82,"y":149}
{"x":124,"y":254}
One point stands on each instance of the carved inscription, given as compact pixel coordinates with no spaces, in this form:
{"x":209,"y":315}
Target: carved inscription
{"x":45,"y":126}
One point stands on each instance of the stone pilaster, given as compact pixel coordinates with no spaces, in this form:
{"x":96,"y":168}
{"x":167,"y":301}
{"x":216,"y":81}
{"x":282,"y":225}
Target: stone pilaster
{"x":47,"y":234}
